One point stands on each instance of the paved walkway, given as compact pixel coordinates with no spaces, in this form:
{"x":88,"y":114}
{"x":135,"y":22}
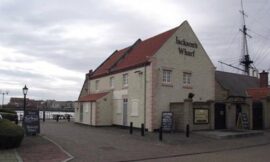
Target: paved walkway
{"x":8,"y":156}
{"x":34,"y":149}
{"x":103,"y":144}
{"x":87,"y":143}
{"x":38,"y":149}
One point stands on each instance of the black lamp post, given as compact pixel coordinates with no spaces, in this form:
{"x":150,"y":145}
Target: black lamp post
{"x":25,"y":89}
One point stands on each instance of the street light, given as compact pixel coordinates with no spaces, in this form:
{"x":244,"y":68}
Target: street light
{"x":25,"y":89}
{"x":3,"y":99}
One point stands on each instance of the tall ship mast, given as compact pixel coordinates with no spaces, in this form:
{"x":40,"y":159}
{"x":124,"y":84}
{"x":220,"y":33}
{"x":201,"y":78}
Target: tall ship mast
{"x":245,"y":60}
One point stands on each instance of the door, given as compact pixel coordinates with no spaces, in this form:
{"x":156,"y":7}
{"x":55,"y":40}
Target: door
{"x":125,"y":111}
{"x":220,"y":116}
{"x":257,"y":115}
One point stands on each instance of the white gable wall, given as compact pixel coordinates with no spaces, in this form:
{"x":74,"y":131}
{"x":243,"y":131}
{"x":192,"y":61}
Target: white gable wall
{"x":199,"y":65}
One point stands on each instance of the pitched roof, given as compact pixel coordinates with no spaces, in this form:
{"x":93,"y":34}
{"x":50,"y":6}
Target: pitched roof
{"x":92,"y":97}
{"x":236,"y":84}
{"x":133,"y":56}
{"x":258,"y":93}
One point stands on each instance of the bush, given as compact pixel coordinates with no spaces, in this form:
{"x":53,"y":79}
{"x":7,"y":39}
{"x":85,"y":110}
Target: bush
{"x":9,"y":116}
{"x":11,"y":135}
{"x":7,"y":111}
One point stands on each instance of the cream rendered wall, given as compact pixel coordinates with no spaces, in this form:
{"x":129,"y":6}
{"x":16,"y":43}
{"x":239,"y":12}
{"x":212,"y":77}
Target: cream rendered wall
{"x":76,"y":112}
{"x":201,"y":67}
{"x":134,"y":92}
{"x":104,"y":111}
{"x":93,"y":117}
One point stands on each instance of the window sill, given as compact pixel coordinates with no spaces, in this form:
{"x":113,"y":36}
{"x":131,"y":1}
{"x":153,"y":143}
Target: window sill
{"x":125,"y":87}
{"x":133,"y":115}
{"x":187,"y":87}
{"x":167,"y":84}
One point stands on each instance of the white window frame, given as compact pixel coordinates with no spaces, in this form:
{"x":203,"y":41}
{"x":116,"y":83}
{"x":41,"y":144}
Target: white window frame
{"x":167,"y":76}
{"x":187,"y":78}
{"x":125,"y":80}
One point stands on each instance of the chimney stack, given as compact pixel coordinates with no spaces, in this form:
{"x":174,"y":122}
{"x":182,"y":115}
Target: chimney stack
{"x":264,"y":79}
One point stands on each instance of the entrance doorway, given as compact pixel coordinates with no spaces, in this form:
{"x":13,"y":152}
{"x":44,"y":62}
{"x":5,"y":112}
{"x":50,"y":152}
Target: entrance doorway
{"x":125,"y":111}
{"x":220,"y":116}
{"x":257,"y":110}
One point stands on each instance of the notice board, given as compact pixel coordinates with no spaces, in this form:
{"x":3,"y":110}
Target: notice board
{"x":31,"y":122}
{"x":167,"y":121}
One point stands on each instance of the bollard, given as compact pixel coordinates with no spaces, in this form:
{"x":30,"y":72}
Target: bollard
{"x":142,"y":129}
{"x":160,"y":134}
{"x":131,"y":128}
{"x":187,"y":131}
{"x":43,"y":116}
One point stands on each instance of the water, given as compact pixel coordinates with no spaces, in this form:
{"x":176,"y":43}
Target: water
{"x":48,"y":114}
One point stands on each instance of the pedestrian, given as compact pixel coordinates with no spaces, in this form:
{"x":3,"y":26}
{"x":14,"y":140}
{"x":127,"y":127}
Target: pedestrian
{"x":57,"y":117}
{"x":68,"y":118}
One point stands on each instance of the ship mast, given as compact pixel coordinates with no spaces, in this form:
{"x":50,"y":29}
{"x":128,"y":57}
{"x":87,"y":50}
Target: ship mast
{"x":245,"y":60}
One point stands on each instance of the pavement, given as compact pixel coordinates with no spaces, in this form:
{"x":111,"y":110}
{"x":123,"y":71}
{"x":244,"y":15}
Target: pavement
{"x":67,"y":141}
{"x":35,"y":149}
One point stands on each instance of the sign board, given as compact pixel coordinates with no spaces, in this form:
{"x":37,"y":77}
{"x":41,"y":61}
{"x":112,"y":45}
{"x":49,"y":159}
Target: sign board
{"x":31,"y":122}
{"x":242,"y":121}
{"x":201,"y":116}
{"x":245,"y":124}
{"x":167,"y":121}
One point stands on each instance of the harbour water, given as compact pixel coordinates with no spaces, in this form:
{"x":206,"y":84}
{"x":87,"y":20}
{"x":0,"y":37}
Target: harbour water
{"x":48,"y":114}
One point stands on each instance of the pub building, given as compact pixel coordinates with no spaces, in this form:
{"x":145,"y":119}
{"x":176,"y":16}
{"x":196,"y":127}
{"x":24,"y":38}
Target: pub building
{"x":169,"y":72}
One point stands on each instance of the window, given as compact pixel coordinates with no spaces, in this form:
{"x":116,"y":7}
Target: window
{"x":167,"y":76}
{"x":97,"y":82}
{"x":111,"y":82}
{"x":125,"y":80}
{"x":86,"y":107}
{"x":134,"y":108}
{"x":186,"y":78}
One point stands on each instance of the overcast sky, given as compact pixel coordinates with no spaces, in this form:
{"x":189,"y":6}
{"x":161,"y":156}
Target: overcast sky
{"x":49,"y":45}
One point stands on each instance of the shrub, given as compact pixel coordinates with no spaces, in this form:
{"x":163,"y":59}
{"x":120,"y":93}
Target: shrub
{"x":9,"y":116}
{"x":11,"y":135}
{"x":7,"y":111}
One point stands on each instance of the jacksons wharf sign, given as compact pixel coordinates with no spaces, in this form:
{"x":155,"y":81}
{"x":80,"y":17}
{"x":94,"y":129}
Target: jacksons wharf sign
{"x":184,"y":50}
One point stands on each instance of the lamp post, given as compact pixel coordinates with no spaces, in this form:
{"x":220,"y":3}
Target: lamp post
{"x":3,"y":99}
{"x":25,"y":89}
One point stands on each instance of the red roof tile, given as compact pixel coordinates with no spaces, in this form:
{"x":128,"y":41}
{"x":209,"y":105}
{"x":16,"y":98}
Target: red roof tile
{"x":133,"y":56}
{"x":258,"y":93}
{"x":92,"y":97}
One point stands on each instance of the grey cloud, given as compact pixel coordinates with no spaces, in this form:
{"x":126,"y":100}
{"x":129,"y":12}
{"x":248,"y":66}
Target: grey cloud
{"x":36,"y":28}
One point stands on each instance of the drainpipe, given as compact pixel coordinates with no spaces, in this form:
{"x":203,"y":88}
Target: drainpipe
{"x":144,"y":95}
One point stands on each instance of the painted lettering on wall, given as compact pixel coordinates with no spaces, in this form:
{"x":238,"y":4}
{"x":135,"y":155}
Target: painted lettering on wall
{"x":184,"y":50}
